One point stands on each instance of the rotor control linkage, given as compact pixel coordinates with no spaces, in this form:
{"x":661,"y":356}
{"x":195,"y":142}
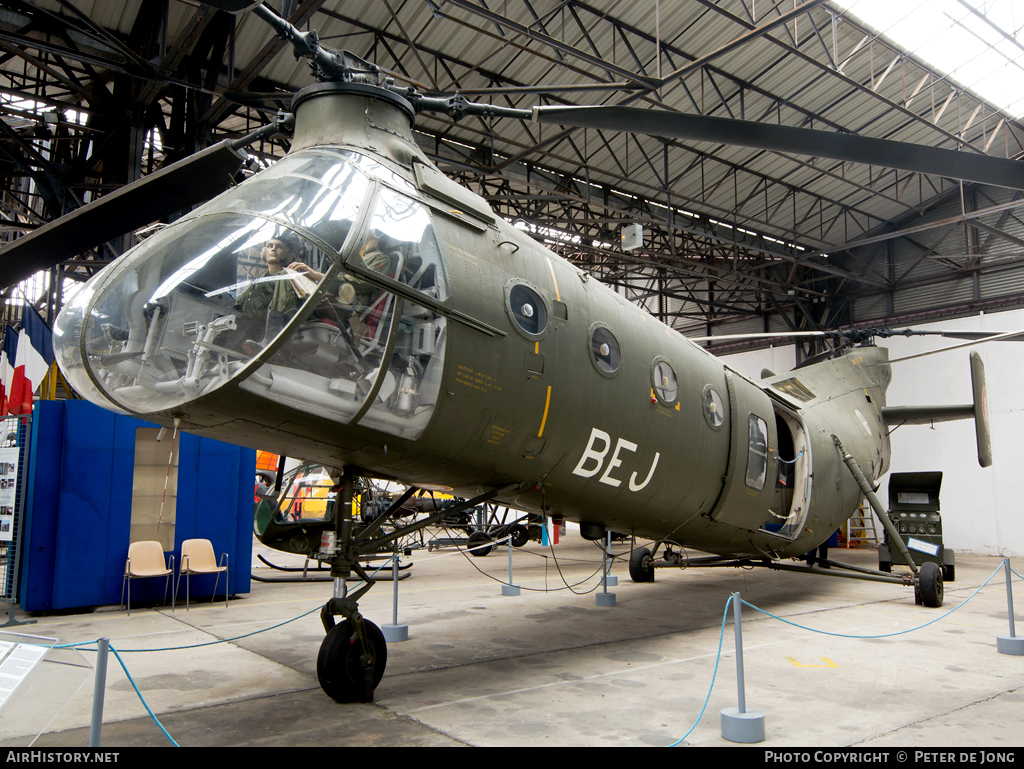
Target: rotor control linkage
{"x":876,"y":505}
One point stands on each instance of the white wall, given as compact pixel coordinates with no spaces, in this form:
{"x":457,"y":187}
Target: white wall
{"x":981,"y":508}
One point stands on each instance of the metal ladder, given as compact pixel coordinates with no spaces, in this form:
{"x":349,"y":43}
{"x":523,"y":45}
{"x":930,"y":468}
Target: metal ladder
{"x":860,"y":528}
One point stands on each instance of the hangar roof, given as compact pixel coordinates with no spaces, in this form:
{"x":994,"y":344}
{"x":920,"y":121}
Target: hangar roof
{"x":734,"y":235}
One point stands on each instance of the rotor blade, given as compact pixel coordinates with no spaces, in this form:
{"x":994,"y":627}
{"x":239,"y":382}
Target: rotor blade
{"x":991,"y":338}
{"x":982,"y":335}
{"x":177,"y":187}
{"x":776,"y":335}
{"x":969,"y":166}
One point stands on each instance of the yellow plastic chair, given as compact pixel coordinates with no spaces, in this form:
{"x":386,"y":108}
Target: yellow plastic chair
{"x":197,"y":558}
{"x":146,"y":559}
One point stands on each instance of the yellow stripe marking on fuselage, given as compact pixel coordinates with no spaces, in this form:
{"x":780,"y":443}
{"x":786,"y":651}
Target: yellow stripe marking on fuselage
{"x":544,"y":419}
{"x":554,"y":279}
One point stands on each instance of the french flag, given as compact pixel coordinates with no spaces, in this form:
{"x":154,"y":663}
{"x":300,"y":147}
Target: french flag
{"x":25,"y":360}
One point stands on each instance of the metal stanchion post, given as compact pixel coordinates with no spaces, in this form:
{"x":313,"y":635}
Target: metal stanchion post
{"x":740,"y":724}
{"x":99,"y":687}
{"x":609,"y":580}
{"x":1010,"y":644}
{"x":604,"y":598}
{"x":509,"y":589}
{"x":394,"y":632}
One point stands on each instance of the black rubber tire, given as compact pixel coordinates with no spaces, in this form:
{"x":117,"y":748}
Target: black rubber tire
{"x":481,"y":543}
{"x":641,"y":565}
{"x":885,"y":566}
{"x":339,"y":667}
{"x":520,"y":535}
{"x":929,"y":580}
{"x":949,"y":573}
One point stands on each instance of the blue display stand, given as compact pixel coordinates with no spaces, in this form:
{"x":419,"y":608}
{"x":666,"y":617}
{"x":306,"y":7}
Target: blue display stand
{"x":79,"y":501}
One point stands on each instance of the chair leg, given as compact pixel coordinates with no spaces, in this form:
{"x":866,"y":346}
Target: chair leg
{"x":215,"y":583}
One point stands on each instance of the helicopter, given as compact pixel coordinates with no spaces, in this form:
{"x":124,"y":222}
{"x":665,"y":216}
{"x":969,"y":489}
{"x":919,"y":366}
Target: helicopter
{"x":410,"y":334}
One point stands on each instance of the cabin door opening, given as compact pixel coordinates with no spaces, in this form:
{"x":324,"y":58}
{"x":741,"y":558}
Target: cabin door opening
{"x":792,"y":495}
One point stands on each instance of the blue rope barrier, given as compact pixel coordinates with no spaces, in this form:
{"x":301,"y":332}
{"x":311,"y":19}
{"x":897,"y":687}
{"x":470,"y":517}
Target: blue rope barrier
{"x":725,"y":614}
{"x":707,"y":699}
{"x":883,"y":635}
{"x":141,"y":698}
{"x":718,"y":658}
{"x":85,"y":644}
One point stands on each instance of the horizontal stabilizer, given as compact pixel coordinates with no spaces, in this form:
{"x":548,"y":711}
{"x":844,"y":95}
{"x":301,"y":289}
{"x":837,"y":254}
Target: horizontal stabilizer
{"x":895,"y":416}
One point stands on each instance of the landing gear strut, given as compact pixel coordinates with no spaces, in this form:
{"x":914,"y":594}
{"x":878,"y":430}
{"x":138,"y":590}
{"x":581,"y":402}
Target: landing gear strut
{"x":354,"y":654}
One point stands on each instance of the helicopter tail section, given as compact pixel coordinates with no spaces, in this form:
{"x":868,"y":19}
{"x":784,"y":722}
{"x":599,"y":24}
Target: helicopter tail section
{"x":896,"y":416}
{"x":981,"y":423}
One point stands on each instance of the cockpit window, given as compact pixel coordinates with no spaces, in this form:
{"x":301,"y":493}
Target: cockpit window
{"x":192,"y":306}
{"x":400,"y":244}
{"x":189,"y":311}
{"x":315,"y":190}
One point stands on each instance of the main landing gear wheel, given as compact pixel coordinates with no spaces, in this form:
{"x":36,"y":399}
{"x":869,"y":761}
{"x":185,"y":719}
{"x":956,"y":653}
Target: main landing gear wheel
{"x":929,"y":586}
{"x":641,"y":565}
{"x":342,"y":666}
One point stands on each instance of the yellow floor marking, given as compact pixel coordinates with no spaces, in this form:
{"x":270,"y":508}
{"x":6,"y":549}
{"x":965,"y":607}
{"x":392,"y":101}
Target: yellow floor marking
{"x":828,"y":663}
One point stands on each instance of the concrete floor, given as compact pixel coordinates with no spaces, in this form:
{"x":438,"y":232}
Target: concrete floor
{"x":552,"y":668}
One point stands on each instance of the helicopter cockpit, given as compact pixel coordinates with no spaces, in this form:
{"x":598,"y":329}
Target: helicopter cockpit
{"x":299,"y":284}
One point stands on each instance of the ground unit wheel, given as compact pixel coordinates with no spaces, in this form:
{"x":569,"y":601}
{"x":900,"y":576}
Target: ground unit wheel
{"x":641,"y":565}
{"x":479,"y":544}
{"x":929,"y":585}
{"x":340,"y":664}
{"x":520,"y":535}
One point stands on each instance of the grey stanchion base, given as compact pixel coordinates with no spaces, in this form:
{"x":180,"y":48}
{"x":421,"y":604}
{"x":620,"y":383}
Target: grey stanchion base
{"x":509,"y":590}
{"x":610,"y":581}
{"x":745,"y":727}
{"x":395,"y":633}
{"x":1010,"y":645}
{"x":606,"y":599}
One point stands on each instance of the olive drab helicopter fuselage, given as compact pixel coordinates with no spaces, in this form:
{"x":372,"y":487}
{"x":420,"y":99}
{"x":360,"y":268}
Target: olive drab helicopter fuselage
{"x":490,"y":360}
{"x":428,"y":341}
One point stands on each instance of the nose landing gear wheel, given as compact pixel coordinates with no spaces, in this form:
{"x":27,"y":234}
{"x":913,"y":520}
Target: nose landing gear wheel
{"x":346,"y":673}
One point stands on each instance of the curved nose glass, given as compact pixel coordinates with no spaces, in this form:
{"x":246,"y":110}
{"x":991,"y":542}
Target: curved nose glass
{"x":192,"y":306}
{"x":186,"y":310}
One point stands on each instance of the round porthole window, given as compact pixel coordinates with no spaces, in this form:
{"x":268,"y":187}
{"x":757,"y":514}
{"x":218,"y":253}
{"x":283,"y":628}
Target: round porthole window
{"x":714,"y":409}
{"x":604,"y":349}
{"x":527,"y":309}
{"x":666,"y":386}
